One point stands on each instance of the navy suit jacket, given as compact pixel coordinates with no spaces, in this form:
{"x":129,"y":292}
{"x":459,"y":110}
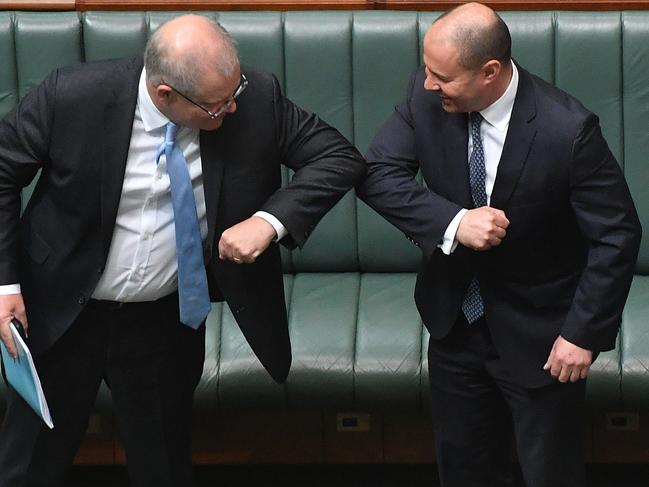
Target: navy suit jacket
{"x":566,"y":264}
{"x":76,"y":127}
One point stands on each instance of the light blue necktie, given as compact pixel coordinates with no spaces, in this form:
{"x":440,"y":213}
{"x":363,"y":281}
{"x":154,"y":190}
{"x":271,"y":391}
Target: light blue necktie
{"x":192,"y":281}
{"x":472,"y":306}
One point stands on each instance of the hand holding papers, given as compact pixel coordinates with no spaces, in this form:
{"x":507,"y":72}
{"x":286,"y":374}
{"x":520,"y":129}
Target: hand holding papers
{"x":21,"y":375}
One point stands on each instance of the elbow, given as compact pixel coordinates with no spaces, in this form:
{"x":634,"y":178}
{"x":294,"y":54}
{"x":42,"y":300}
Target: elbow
{"x":360,"y":170}
{"x":634,"y":240}
{"x":358,"y":165}
{"x":636,"y":233}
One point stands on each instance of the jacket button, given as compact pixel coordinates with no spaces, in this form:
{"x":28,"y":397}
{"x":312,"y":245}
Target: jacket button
{"x":81,"y":299}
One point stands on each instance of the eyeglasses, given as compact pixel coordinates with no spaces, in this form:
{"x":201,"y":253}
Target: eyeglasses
{"x":225,"y":107}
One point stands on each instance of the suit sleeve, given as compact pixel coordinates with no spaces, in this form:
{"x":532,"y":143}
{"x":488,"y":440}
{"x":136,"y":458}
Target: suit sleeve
{"x":391,"y":188}
{"x":24,"y":143}
{"x":326,"y":166}
{"x":607,"y":218}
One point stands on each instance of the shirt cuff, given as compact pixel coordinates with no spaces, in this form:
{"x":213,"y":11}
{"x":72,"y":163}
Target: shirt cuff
{"x":280,"y":229}
{"x":449,"y":243}
{"x":9,"y":289}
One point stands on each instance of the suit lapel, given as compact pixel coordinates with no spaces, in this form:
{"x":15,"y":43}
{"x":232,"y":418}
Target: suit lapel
{"x":118,"y":114}
{"x":456,"y":163}
{"x":518,"y":142}
{"x":212,"y":165}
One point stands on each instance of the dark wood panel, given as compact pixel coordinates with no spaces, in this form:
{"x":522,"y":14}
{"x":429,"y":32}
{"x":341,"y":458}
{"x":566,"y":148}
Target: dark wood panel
{"x":621,"y":444}
{"x":258,"y":438}
{"x":356,"y":445}
{"x":98,"y":446}
{"x":408,"y":438}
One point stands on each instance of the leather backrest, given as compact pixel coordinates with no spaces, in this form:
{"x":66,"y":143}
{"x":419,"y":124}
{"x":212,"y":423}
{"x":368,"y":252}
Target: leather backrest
{"x":351,"y":68}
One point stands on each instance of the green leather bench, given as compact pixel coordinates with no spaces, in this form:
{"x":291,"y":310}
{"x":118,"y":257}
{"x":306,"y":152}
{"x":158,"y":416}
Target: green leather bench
{"x":358,"y":342}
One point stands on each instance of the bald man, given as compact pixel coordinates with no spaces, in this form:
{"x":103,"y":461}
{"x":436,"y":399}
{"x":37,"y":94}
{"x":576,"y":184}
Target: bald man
{"x":150,"y":171}
{"x":529,"y":239}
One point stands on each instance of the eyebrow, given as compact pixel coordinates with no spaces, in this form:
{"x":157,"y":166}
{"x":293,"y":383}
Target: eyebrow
{"x":222,"y":100}
{"x":436,"y":74}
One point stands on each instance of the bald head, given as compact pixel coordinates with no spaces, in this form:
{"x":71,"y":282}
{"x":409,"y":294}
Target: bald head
{"x":184,"y":49}
{"x":477,"y":32}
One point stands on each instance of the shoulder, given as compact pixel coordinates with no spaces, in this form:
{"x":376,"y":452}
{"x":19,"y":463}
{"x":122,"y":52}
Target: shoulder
{"x":554,"y":104}
{"x":562,"y":122}
{"x":256,"y":105}
{"x":260,"y":82}
{"x":105,"y":70}
{"x":85,"y":85}
{"x":97,"y":80}
{"x":263,"y":98}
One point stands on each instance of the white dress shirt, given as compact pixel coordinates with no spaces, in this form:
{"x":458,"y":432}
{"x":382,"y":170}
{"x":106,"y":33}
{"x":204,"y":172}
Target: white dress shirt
{"x":141,"y":264}
{"x":493,"y":132}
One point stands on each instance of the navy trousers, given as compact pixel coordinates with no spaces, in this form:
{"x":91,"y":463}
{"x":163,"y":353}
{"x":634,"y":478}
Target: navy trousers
{"x":477,"y":412}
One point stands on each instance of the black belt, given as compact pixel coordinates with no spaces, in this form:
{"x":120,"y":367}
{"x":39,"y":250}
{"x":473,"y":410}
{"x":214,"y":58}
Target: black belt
{"x":116,"y":305}
{"x":107,"y":305}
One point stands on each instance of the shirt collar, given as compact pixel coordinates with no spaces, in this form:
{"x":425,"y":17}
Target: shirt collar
{"x":152,"y":118}
{"x":500,"y":111}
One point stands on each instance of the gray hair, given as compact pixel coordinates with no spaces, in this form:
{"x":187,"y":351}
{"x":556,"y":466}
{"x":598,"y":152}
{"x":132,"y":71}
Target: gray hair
{"x":184,"y":73}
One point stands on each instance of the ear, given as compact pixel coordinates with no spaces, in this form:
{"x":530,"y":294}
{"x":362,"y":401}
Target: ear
{"x":491,"y":70}
{"x":162,"y":93}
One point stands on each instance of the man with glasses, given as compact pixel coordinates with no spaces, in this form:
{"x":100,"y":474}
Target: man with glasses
{"x":138,"y":191}
{"x":224,"y":106}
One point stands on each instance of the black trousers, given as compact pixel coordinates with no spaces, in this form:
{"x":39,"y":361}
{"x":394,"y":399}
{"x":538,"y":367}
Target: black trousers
{"x":477,"y":411}
{"x":152,"y":364}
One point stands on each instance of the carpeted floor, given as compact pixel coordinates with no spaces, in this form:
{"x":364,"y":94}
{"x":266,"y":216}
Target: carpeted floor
{"x":339,"y":476}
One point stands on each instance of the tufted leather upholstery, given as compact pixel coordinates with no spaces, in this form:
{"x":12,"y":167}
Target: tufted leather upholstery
{"x":358,"y":341}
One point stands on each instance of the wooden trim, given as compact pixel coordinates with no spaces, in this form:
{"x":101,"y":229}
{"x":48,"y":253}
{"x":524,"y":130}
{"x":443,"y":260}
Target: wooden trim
{"x":586,"y":5}
{"x":285,"y":5}
{"x":281,"y":5}
{"x":38,"y":5}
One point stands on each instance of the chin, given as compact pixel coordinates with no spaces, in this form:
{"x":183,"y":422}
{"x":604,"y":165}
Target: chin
{"x":449,"y":106}
{"x":212,"y":124}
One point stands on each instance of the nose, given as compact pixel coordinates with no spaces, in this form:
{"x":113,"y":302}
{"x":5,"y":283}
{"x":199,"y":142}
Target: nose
{"x":228,"y":107}
{"x":431,"y":85}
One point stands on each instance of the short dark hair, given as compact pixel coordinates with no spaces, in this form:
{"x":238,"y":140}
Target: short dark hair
{"x":478,"y":43}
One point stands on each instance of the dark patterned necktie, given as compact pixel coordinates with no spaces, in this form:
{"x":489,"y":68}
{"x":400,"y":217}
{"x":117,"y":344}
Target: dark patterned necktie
{"x":472,"y":306}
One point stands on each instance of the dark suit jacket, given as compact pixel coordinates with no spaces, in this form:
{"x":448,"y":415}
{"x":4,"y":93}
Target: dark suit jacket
{"x":566,"y":264}
{"x":76,"y":127}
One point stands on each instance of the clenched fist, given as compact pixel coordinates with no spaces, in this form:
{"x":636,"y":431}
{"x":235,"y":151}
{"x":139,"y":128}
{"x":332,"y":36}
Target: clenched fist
{"x":482,"y":228}
{"x":243,"y":242}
